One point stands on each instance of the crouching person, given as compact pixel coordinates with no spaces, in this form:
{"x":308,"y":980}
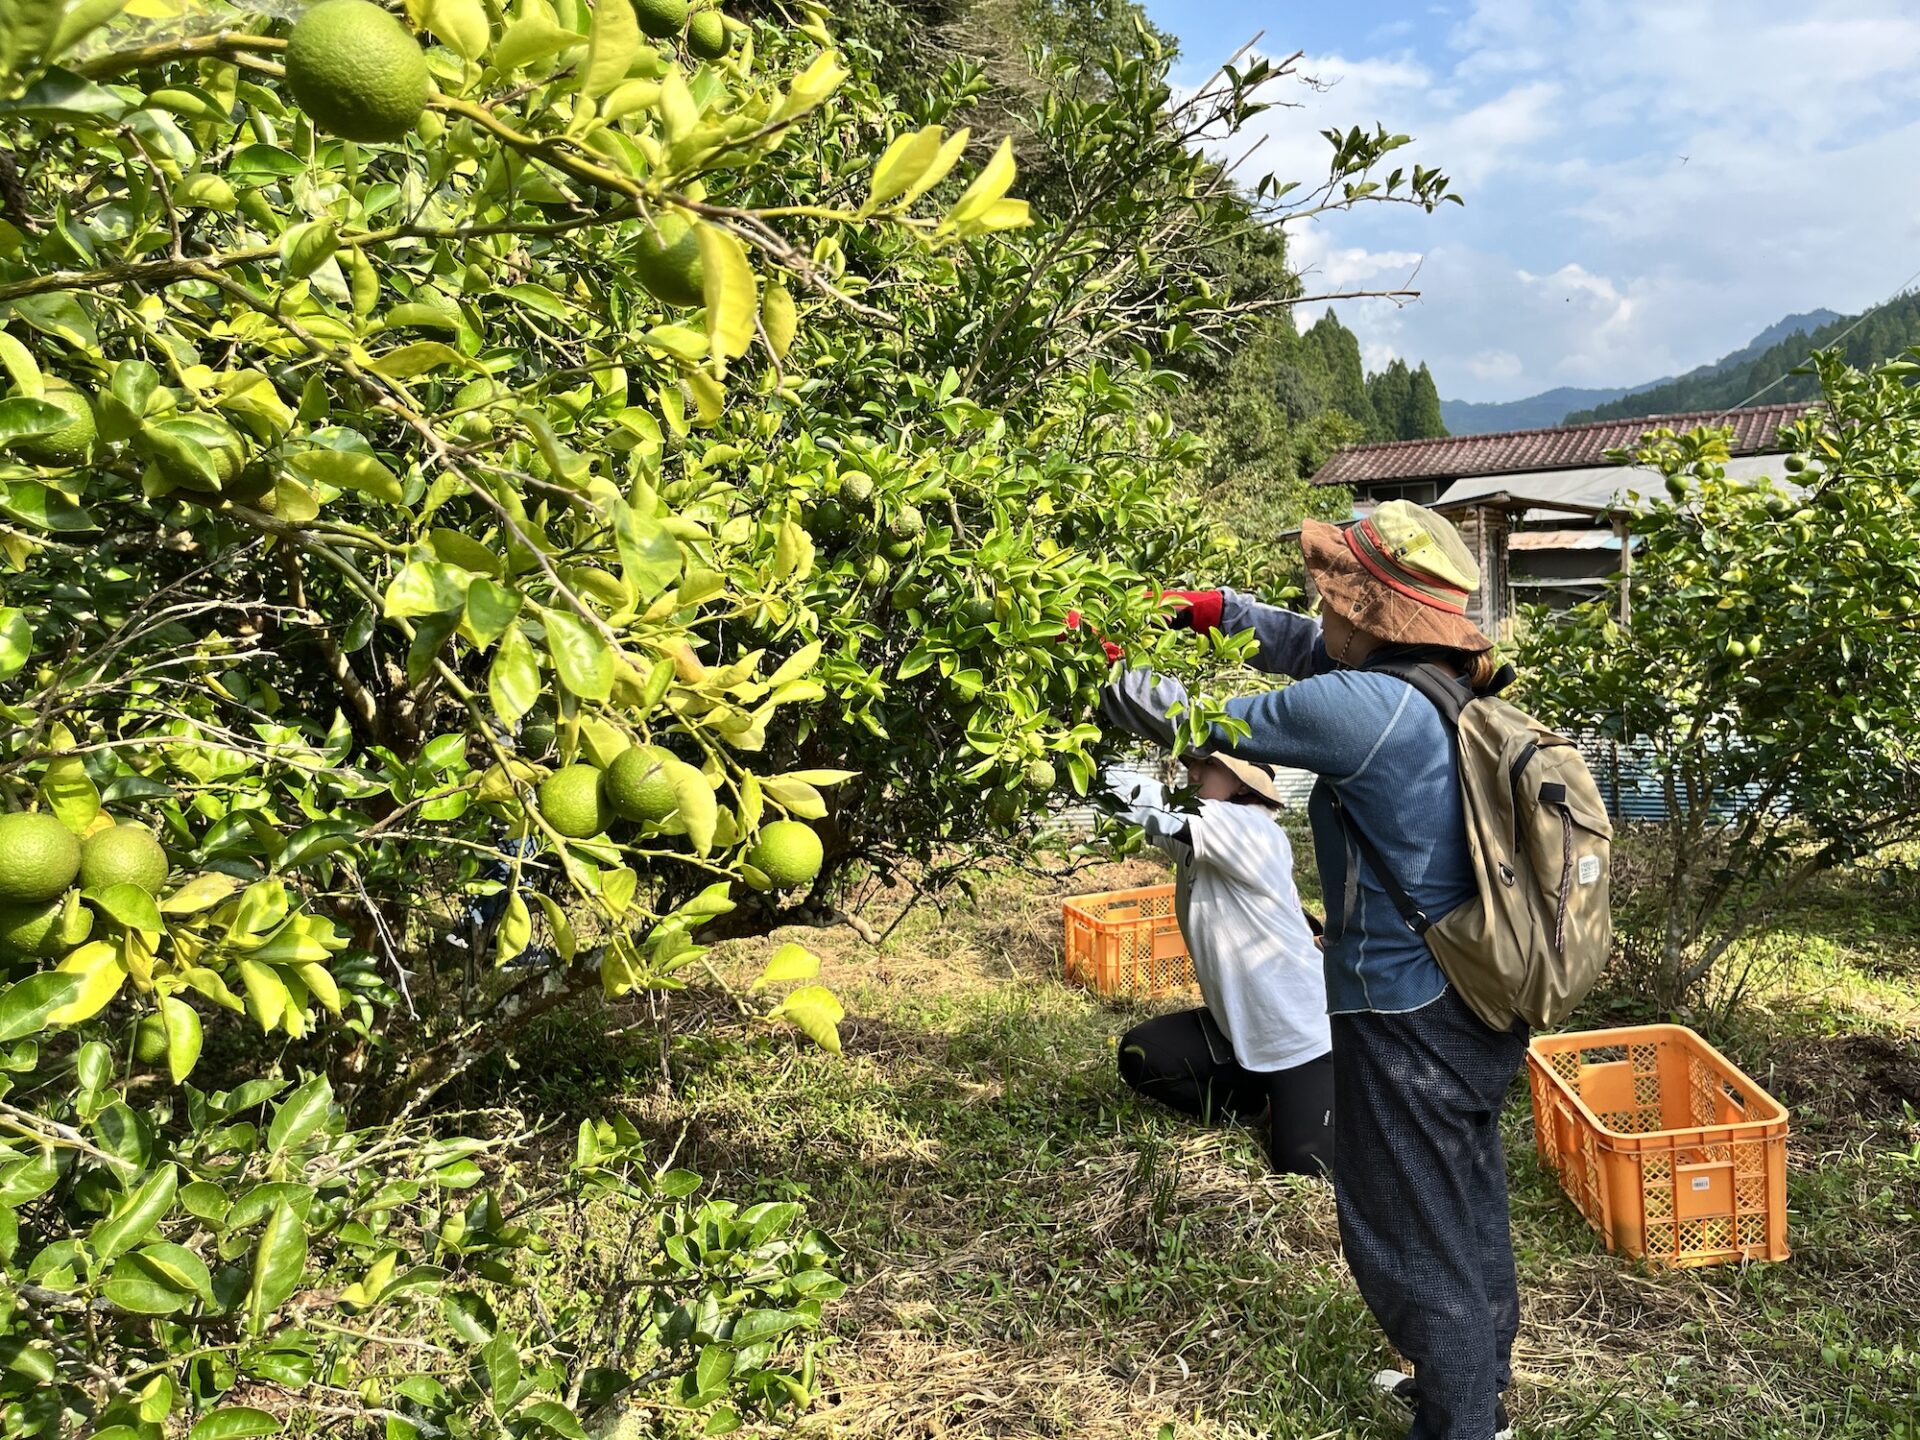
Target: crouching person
{"x":1260,"y":1049}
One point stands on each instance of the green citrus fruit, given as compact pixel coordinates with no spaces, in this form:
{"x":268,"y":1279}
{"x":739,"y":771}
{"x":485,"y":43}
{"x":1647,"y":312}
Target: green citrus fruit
{"x":666,"y":260}
{"x":536,"y":735}
{"x":70,"y":443}
{"x":877,"y":570}
{"x":856,"y":494}
{"x":38,"y":857}
{"x":978,"y":611}
{"x":897,"y":549}
{"x":222,"y":443}
{"x":43,"y":930}
{"x":828,"y":519}
{"x":123,"y":855}
{"x":1040,"y":775}
{"x":356,"y":71}
{"x":572,"y":802}
{"x":707,"y":36}
{"x":907,"y":525}
{"x":788,"y":853}
{"x":472,"y":421}
{"x":660,"y":18}
{"x":638,"y":788}
{"x":252,"y":485}
{"x":150,"y":1040}
{"x":1677,"y":486}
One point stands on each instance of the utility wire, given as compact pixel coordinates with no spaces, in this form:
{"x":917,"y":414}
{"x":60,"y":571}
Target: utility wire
{"x":1865,"y":315}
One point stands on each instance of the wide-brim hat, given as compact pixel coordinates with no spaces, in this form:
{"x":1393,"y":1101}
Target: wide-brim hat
{"x":1403,"y":573}
{"x":1256,"y":777}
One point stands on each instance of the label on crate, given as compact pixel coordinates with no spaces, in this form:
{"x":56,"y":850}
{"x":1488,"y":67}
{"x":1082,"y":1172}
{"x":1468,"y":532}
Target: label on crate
{"x":1703,"y":1182}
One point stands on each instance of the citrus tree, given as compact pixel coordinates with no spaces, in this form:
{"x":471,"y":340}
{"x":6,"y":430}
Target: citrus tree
{"x":1768,"y":665}
{"x":488,"y":492}
{"x":361,"y":374}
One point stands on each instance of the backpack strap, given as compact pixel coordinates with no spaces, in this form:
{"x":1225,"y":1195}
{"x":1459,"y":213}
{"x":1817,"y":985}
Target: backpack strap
{"x":1411,"y":914}
{"x":1448,"y":696}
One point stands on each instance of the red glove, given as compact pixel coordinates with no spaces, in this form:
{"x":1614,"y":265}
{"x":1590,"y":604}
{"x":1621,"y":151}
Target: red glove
{"x":1114,"y":652}
{"x":1200,"y":610}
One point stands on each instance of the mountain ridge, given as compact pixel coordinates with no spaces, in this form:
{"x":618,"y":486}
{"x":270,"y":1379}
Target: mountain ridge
{"x":1567,"y":404}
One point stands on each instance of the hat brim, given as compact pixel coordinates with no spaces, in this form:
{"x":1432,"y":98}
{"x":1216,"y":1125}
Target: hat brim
{"x":1256,"y":778}
{"x":1364,"y":602}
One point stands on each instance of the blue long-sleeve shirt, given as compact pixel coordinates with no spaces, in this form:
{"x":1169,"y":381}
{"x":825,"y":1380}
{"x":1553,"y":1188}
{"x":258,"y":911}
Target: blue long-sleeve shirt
{"x":1380,"y":746}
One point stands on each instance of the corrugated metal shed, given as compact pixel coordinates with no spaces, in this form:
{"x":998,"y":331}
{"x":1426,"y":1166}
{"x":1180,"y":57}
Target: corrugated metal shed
{"x":1593,"y":488}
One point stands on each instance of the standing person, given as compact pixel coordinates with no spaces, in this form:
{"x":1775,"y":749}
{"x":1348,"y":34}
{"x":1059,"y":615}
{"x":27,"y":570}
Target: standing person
{"x":1419,"y":1079}
{"x":1260,"y":1045}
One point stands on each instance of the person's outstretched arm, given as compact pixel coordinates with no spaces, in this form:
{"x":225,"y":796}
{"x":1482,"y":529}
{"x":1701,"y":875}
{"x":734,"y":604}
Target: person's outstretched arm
{"x":1289,"y":642}
{"x":1328,"y":724}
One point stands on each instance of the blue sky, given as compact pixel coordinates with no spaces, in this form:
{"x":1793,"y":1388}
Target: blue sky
{"x":1648,"y":182}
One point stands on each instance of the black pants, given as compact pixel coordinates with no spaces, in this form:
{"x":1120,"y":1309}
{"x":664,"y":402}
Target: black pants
{"x":1421,"y":1182}
{"x":1185,"y":1061}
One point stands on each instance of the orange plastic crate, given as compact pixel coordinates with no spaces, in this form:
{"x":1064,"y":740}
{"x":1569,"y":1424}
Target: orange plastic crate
{"x":1668,"y":1150}
{"x":1127,"y":942}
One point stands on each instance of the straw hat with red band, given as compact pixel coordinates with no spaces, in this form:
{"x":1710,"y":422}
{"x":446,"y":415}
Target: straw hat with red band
{"x":1403,"y":574}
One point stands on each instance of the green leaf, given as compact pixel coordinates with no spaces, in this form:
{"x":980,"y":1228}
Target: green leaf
{"x":795,"y":796}
{"x":581,"y":656}
{"x":789,"y":963}
{"x":234,"y":1422}
{"x":267,"y":994}
{"x":699,"y":811}
{"x":942,"y":166}
{"x":988,"y":186}
{"x":417,"y":359}
{"x":552,"y":1416}
{"x":757,"y":1327}
{"x":513,"y":681}
{"x":462,"y":25}
{"x":306,"y":247}
{"x":502,"y":1359}
{"x":564,"y":940}
{"x":346,"y":470}
{"x":817,"y":1012}
{"x":26,"y":1005}
{"x":138,"y":1288}
{"x":612,"y":43}
{"x":44,"y":509}
{"x":491,"y":607}
{"x":70,"y":793}
{"x":135,"y":1215}
{"x":539,"y":298}
{"x":533,"y":37}
{"x":649,"y":556}
{"x":278,"y":1262}
{"x":905,"y":161}
{"x":182,"y":1024}
{"x":300,"y":1115}
{"x":203,"y":892}
{"x":515,"y":932}
{"x":22,"y":418}
{"x":129,"y":906}
{"x":732,"y":291}
{"x":60,"y":315}
{"x":427,"y":587}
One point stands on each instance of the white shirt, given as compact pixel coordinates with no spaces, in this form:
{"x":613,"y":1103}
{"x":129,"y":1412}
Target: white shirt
{"x":1253,"y":955}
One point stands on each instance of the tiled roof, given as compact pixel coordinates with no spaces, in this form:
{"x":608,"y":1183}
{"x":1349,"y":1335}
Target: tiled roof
{"x":1560,"y":448}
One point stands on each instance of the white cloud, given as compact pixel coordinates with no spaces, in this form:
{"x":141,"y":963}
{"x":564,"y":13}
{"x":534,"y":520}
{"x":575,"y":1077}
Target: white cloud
{"x":1495,"y":365}
{"x":1649,"y":182}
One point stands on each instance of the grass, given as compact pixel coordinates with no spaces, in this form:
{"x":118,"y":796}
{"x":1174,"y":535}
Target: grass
{"x":1036,"y":1253}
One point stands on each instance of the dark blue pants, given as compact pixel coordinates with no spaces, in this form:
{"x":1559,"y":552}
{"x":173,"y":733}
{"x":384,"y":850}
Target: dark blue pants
{"x":1421,"y":1182}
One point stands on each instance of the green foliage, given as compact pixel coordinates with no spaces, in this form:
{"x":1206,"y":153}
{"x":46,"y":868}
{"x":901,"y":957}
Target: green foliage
{"x":414,"y":481}
{"x":1783,"y":371}
{"x":1769,"y":663}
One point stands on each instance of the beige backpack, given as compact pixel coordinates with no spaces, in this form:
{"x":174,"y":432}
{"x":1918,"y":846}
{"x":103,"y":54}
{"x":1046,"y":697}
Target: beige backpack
{"x":1532,"y":942}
